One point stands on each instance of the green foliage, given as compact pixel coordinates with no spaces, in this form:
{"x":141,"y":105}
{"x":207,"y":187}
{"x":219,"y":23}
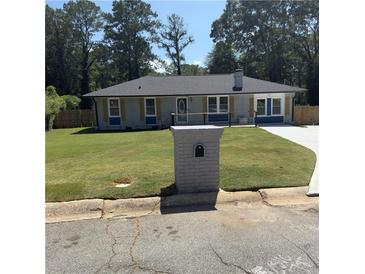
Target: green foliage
{"x":128,"y":33}
{"x":104,"y":73}
{"x":274,"y":40}
{"x":62,"y":67}
{"x":188,"y":69}
{"x":174,"y":39}
{"x":86,"y":20}
{"x":71,"y":102}
{"x":69,"y":46}
{"x":54,"y":103}
{"x":222,"y":59}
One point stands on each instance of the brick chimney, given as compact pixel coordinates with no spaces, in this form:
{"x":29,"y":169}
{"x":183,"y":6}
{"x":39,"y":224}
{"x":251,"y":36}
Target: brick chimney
{"x":238,"y":74}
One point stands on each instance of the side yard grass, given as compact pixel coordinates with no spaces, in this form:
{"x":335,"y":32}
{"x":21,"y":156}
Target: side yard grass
{"x":81,"y":164}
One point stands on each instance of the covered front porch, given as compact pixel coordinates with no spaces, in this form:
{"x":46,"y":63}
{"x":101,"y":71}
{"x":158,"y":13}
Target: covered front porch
{"x":234,"y":110}
{"x":127,"y":113}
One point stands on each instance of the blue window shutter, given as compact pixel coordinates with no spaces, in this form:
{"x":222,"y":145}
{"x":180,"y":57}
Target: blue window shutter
{"x":218,"y":117}
{"x":114,"y":121}
{"x":150,"y":120}
{"x":268,"y":109}
{"x":271,"y":119}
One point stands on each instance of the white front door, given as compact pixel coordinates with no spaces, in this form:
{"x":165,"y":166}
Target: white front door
{"x":182,"y":109}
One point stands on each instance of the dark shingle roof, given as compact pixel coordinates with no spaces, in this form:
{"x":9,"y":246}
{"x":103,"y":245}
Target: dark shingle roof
{"x":190,"y":85}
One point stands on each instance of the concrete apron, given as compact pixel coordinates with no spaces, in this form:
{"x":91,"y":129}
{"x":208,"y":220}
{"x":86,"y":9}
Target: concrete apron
{"x":98,"y":208}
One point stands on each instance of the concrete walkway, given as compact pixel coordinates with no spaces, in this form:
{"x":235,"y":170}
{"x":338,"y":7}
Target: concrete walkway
{"x":306,"y":136}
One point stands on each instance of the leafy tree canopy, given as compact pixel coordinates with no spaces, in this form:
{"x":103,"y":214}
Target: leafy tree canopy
{"x":130,"y":29}
{"x":71,"y":102}
{"x":54,"y":103}
{"x":275,"y":40}
{"x":222,"y":59}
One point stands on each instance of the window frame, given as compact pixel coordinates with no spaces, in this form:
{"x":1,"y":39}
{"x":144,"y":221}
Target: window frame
{"x":218,"y":104}
{"x":145,"y":107}
{"x":265,"y":108}
{"x":118,"y":100}
{"x":281,"y":106}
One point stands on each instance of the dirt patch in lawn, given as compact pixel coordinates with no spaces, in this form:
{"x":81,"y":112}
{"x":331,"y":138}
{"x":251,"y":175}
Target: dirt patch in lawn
{"x":122,"y":182}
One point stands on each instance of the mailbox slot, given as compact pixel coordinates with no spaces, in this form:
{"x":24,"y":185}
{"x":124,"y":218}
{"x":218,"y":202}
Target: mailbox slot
{"x":199,"y":150}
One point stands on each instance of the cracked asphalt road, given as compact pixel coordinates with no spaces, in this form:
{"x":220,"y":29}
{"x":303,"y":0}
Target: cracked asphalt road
{"x":235,"y":238}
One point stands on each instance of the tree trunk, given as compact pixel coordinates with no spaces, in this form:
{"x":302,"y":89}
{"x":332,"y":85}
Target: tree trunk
{"x":85,"y":88}
{"x":49,"y":122}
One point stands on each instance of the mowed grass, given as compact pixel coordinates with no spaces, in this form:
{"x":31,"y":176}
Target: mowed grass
{"x":81,"y":164}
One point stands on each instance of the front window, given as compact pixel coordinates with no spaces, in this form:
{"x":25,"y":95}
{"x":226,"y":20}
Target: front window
{"x":150,"y":107}
{"x":114,"y":108}
{"x":212,"y":101}
{"x":223,"y":104}
{"x":218,"y":104}
{"x":260,"y":108}
{"x":276,"y":106}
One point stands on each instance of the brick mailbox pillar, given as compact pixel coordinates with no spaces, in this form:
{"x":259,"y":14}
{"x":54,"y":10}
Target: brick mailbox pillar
{"x":196,"y":158}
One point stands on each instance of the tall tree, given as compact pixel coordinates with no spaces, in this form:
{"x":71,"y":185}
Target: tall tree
{"x":104,"y":72}
{"x":306,"y":43}
{"x":61,"y":66}
{"x":174,"y":39}
{"x":221,"y":59}
{"x":276,"y":40}
{"x":129,"y":32}
{"x":86,"y":19}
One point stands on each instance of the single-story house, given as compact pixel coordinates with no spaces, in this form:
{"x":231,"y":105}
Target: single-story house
{"x":162,"y":101}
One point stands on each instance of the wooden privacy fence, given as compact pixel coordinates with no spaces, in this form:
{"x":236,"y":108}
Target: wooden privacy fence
{"x":75,"y":118}
{"x":306,"y":115}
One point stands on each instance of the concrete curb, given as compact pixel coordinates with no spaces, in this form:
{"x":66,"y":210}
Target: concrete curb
{"x":98,"y":208}
{"x":285,"y":196}
{"x":313,"y":189}
{"x":74,"y":210}
{"x":142,"y":206}
{"x":120,"y":207}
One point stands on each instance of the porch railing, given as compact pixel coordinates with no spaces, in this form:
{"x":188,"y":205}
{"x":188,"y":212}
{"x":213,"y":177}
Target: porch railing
{"x":209,"y":118}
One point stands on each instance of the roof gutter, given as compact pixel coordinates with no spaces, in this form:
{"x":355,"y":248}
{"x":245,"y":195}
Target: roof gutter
{"x":199,"y":94}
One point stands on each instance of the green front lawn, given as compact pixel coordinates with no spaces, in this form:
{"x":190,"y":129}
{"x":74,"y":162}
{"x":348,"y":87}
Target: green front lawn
{"x":81,"y":164}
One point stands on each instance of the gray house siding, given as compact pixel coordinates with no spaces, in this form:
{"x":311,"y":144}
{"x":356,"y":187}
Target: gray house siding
{"x":167,"y":105}
{"x":240,"y":109}
{"x":133,"y":119}
{"x":195,"y":105}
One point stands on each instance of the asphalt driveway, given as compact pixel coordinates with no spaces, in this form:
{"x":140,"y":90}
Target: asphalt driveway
{"x":306,"y":136}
